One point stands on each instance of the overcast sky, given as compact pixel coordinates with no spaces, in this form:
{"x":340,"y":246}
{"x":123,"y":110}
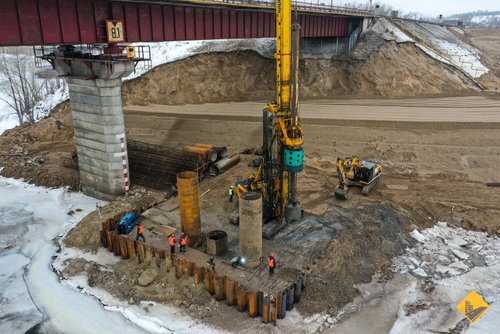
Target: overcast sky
{"x":436,"y":7}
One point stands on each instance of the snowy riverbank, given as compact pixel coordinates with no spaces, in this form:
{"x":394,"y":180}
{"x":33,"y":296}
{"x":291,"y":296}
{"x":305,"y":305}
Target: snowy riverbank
{"x":32,"y":295}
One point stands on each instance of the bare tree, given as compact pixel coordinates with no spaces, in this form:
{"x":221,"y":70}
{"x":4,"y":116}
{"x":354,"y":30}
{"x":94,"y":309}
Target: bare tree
{"x":20,"y":88}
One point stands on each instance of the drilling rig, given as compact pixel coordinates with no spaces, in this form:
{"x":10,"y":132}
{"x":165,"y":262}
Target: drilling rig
{"x":276,"y":177}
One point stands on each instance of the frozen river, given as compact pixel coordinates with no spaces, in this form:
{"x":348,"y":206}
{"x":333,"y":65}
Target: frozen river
{"x":32,"y":297}
{"x":31,"y":294}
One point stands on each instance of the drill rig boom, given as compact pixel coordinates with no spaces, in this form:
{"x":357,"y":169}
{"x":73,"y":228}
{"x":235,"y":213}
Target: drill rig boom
{"x":283,"y":155}
{"x":283,"y":136}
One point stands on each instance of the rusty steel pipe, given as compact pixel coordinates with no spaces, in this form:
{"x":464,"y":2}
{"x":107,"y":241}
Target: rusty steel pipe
{"x":208,"y":154}
{"x":189,"y":206}
{"x":224,"y":164}
{"x":221,"y":150}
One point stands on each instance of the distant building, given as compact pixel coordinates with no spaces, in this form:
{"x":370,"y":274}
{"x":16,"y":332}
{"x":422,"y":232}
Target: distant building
{"x":453,"y":22}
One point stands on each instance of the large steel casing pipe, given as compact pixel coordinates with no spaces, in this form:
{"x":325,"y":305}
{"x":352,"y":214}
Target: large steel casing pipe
{"x":251,"y":228}
{"x":189,"y":206}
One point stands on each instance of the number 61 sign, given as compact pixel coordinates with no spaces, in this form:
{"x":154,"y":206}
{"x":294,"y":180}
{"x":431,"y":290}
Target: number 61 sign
{"x":114,"y":30}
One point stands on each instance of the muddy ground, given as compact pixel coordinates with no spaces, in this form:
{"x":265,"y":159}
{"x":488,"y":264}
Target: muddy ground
{"x":429,"y":167}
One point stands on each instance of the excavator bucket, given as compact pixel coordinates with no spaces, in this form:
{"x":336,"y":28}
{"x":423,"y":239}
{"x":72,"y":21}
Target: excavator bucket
{"x":340,"y":193}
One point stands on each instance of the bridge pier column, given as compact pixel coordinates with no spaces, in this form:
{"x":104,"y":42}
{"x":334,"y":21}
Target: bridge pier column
{"x":96,"y":102}
{"x":100,"y":136}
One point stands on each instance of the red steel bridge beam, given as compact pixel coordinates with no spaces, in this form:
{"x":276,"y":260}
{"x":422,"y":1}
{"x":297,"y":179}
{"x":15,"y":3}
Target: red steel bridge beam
{"x":54,"y":22}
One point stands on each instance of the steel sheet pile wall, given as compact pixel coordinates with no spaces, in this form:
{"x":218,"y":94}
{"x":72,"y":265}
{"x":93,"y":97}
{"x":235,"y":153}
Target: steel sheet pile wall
{"x":157,"y":166}
{"x":256,"y":303}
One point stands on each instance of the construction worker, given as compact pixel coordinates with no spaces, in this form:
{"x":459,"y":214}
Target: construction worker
{"x":271,"y":262}
{"x":171,"y":242}
{"x":183,"y":242}
{"x":140,"y":231}
{"x":211,"y":264}
{"x":230,"y":192}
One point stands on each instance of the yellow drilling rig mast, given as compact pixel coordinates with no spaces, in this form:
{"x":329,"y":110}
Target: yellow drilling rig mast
{"x":283,"y":155}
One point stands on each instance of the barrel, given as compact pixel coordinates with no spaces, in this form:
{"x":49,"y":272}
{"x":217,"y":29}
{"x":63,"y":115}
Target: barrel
{"x":216,"y":243}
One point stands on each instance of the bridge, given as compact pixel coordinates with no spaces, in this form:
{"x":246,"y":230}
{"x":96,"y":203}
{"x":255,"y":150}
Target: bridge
{"x":84,"y":40}
{"x":55,"y":22}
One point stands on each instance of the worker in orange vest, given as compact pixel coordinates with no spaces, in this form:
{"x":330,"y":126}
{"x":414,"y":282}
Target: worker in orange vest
{"x":271,"y":262}
{"x":183,"y":242}
{"x":140,"y":231}
{"x":171,"y":242}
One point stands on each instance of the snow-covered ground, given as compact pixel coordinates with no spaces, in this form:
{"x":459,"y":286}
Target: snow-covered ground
{"x":437,"y":42}
{"x":31,"y":294}
{"x":449,"y":263}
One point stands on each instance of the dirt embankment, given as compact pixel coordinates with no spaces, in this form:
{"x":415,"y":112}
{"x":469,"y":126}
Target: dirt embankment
{"x":488,"y":42}
{"x":36,"y":153}
{"x":393,"y":70}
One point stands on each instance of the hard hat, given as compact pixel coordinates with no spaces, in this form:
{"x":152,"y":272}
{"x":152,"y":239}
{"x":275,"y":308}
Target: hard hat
{"x":232,"y":186}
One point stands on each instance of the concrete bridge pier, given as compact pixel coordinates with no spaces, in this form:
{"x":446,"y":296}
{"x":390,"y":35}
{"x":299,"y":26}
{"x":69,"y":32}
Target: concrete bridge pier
{"x":96,"y":101}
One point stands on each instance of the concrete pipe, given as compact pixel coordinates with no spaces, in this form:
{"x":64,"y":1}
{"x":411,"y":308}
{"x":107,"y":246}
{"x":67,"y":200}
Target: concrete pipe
{"x":189,"y":206}
{"x":206,"y":153}
{"x":216,"y":243}
{"x":251,"y":228}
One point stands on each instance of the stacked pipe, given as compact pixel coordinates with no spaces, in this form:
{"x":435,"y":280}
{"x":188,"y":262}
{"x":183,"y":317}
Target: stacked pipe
{"x":216,"y":157}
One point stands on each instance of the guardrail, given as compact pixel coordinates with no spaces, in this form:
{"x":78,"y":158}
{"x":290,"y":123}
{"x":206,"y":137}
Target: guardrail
{"x":296,"y":5}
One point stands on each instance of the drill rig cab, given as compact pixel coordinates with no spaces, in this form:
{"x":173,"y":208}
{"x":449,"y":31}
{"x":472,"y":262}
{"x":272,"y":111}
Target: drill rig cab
{"x":283,"y":155}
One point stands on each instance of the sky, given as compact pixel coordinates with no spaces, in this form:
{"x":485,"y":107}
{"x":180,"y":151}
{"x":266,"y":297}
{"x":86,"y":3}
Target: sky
{"x":436,"y":7}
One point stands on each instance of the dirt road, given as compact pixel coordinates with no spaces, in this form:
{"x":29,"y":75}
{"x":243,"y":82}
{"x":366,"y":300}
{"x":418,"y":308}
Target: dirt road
{"x":449,"y":109}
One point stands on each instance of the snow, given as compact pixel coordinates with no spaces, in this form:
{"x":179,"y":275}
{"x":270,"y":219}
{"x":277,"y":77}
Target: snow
{"x":438,"y":43}
{"x":30,"y":218}
{"x":467,"y":58}
{"x":43,"y":108}
{"x":383,"y":307}
{"x":484,"y":18}
{"x":390,"y":32}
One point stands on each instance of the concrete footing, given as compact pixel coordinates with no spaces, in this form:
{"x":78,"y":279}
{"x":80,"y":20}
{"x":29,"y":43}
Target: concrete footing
{"x":100,"y":136}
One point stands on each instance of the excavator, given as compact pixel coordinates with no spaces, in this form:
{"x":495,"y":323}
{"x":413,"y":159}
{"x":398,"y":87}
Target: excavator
{"x":276,"y":177}
{"x":353,"y":171}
